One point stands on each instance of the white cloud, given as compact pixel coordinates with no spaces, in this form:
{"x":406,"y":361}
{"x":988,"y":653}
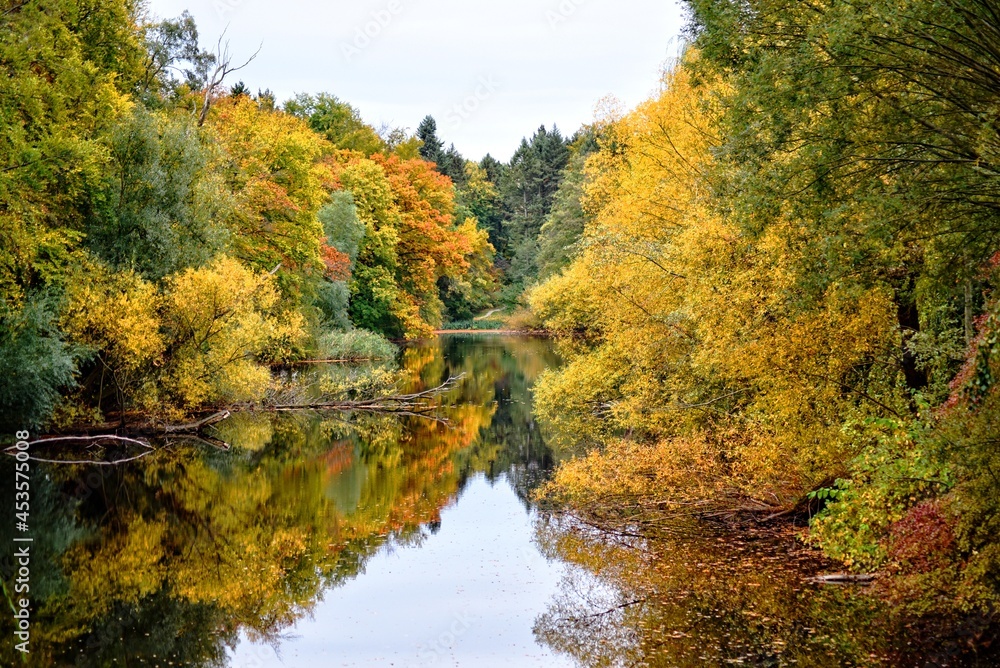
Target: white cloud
{"x":553,"y":59}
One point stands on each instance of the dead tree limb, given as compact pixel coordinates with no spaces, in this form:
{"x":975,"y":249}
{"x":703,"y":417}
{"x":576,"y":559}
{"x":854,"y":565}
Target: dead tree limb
{"x":92,"y":462}
{"x":147,"y":449}
{"x":104,"y":437}
{"x":414,"y":402}
{"x":223,"y":68}
{"x":193,"y":427}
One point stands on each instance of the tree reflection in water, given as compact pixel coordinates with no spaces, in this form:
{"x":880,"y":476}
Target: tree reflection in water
{"x":171,"y":559}
{"x":167,"y":560}
{"x":712,"y":597}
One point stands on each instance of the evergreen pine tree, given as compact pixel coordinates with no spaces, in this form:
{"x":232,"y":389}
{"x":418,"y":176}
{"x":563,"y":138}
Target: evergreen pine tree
{"x":433,"y":148}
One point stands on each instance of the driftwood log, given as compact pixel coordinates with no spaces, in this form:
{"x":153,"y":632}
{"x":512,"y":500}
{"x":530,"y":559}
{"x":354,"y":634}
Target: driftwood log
{"x":412,"y":404}
{"x":843,"y":579}
{"x":418,"y":404}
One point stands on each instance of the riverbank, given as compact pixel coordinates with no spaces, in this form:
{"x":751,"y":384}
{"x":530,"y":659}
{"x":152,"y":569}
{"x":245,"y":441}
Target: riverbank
{"x":764,"y":575}
{"x":508,"y":332}
{"x":708,"y":594}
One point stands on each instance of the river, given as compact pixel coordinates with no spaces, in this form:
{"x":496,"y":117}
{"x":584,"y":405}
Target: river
{"x":330,"y":539}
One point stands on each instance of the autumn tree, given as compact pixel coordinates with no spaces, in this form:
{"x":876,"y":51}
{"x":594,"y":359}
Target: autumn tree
{"x":272,"y":163}
{"x":338,"y":122}
{"x":690,"y":341}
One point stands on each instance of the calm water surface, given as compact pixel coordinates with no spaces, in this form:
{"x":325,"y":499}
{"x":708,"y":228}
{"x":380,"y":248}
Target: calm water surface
{"x":468,"y":595}
{"x":316,"y":540}
{"x":365,"y":540}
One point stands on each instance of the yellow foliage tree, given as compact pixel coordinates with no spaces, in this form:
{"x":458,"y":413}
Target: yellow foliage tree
{"x":272,"y":163}
{"x":220,"y":320}
{"x":115,"y":315}
{"x":199,"y":341}
{"x":693,"y":338}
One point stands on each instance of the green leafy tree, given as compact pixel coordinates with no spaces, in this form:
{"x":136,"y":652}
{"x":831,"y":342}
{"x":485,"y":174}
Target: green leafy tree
{"x":36,"y":362}
{"x":344,"y":232}
{"x":339,"y":122}
{"x":480,"y":197}
{"x":173,"y":59}
{"x":160,"y":212}
{"x":68,"y":66}
{"x":564,"y":225}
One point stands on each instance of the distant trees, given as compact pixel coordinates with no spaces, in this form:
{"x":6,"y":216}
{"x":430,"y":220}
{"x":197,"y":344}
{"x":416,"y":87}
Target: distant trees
{"x":516,"y":200}
{"x":432,"y":148}
{"x":528,"y":186}
{"x":564,"y":225}
{"x":481,"y":197}
{"x":412,"y":239}
{"x":531,"y":180}
{"x":449,"y":161}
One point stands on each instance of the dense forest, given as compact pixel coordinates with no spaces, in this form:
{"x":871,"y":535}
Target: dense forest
{"x":784,"y":301}
{"x":774,"y":283}
{"x":168,"y":236}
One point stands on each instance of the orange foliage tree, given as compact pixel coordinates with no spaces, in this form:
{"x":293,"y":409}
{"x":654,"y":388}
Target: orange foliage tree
{"x":411,"y":241}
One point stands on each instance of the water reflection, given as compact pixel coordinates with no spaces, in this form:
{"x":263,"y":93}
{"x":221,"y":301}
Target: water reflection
{"x":170,"y":560}
{"x":713,"y":597}
{"x":366,"y":540}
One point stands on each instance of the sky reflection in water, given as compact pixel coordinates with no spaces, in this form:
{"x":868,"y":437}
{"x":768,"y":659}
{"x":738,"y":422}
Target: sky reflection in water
{"x":468,"y":595}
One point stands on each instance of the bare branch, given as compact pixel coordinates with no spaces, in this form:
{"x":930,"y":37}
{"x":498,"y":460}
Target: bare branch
{"x":223,"y":68}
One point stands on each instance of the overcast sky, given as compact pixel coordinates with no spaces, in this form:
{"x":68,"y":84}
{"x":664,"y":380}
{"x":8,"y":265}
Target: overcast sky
{"x":489,"y":71}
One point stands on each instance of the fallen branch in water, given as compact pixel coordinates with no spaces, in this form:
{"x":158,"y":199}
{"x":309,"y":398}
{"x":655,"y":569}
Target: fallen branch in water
{"x":190,"y":430}
{"x":193,"y":427}
{"x":416,"y":404}
{"x":406,"y":404}
{"x":93,"y":440}
{"x":91,"y":462}
{"x":843,"y":578}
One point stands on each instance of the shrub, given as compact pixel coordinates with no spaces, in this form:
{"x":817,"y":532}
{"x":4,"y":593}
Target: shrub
{"x":355,"y":346}
{"x":35,"y":364}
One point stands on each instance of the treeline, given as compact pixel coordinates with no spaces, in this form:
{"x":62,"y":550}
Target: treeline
{"x":530,"y":206}
{"x":167,"y":235}
{"x":785,"y":297}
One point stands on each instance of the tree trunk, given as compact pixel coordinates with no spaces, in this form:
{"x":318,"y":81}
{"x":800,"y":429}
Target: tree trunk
{"x":969,"y":330}
{"x":909,"y":324}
